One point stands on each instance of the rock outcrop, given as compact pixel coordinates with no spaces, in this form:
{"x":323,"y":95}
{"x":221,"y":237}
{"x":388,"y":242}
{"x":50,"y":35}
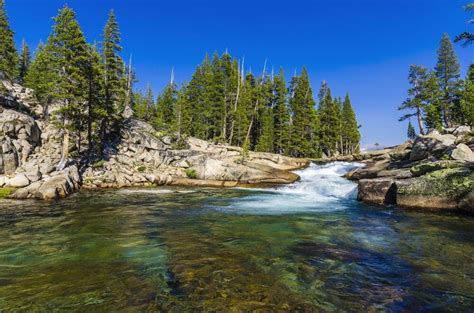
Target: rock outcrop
{"x":435,"y":172}
{"x":143,"y":157}
{"x":30,"y":150}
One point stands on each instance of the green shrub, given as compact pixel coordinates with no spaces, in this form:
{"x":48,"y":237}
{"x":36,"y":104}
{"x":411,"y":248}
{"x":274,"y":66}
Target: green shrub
{"x":191,"y":173}
{"x":6,"y":191}
{"x":99,"y":164}
{"x":141,"y":168}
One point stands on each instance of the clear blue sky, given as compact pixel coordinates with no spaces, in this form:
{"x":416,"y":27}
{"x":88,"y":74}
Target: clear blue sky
{"x":363,"y":47}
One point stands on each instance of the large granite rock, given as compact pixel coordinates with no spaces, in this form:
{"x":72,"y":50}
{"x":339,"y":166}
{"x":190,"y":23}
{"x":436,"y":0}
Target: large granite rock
{"x":55,"y":186}
{"x":462,"y":153}
{"x":442,"y":189}
{"x":377,"y":191}
{"x":433,"y":144}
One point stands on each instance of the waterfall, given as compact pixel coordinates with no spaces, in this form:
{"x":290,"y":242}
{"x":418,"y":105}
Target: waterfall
{"x":321,"y":189}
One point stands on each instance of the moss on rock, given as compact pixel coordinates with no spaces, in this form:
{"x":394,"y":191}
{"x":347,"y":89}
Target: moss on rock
{"x":453,"y":183}
{"x":6,"y":191}
{"x":423,"y":168}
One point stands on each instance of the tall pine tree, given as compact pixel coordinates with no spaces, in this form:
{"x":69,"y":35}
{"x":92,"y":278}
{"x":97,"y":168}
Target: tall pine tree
{"x":8,"y":54}
{"x":281,"y":115}
{"x":25,"y":62}
{"x":350,"y":129}
{"x":448,"y":73}
{"x":114,"y":77}
{"x":304,"y":141}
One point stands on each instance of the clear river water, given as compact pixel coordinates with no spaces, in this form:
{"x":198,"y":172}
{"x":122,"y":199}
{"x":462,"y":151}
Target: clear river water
{"x":305,"y":247}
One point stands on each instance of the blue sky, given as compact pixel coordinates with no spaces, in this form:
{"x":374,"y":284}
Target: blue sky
{"x":363,"y":47}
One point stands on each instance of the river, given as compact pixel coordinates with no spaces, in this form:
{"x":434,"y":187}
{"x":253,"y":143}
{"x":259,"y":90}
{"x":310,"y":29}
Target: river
{"x":306,"y":247}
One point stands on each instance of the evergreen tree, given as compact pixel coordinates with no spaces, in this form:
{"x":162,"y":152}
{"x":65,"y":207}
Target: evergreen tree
{"x":416,"y":77}
{"x":165,"y":106}
{"x":281,"y":115}
{"x":431,"y":97}
{"x":25,"y":61}
{"x":96,"y":111}
{"x":448,"y":72}
{"x":144,"y":108}
{"x":467,"y":37}
{"x":470,"y":73}
{"x":350,"y":129}
{"x":304,"y":142}
{"x":68,"y":54}
{"x":8,"y":54}
{"x":183,"y":116}
{"x":217,"y":102}
{"x":329,"y":121}
{"x":467,"y":104}
{"x":114,"y":77}
{"x":41,"y":78}
{"x":411,"y":134}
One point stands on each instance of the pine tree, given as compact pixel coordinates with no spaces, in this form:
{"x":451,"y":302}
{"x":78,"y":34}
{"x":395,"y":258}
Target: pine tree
{"x":265,"y":140}
{"x":431,"y":97}
{"x":417,"y":78}
{"x":411,"y":134}
{"x":217,"y":102}
{"x":467,"y":104}
{"x":304,"y":141}
{"x":165,"y":107}
{"x":448,"y":73}
{"x":25,"y":61}
{"x":114,"y":77}
{"x":350,"y":129}
{"x":281,"y":115}
{"x":8,"y":54}
{"x":68,"y":54}
{"x":41,"y":78}
{"x":329,"y":121}
{"x":183,"y":114}
{"x":96,"y":112}
{"x":470,"y":73}
{"x":467,"y":37}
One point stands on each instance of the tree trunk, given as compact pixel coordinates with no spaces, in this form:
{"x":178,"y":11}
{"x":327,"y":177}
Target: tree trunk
{"x":65,"y":148}
{"x":420,"y":121}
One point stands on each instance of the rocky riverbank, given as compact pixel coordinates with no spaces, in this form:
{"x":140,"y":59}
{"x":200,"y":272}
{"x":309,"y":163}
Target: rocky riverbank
{"x":30,"y":150}
{"x":433,"y":172}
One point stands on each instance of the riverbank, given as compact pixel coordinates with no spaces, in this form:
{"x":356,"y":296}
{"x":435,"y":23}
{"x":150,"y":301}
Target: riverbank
{"x":138,"y":156}
{"x":434,"y":172}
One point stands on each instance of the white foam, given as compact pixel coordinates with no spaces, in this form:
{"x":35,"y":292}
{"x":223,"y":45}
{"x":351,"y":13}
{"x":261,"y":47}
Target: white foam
{"x":321,"y":189}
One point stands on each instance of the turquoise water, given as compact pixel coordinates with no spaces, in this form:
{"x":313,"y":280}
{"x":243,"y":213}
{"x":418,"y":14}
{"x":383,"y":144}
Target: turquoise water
{"x":306,"y":247}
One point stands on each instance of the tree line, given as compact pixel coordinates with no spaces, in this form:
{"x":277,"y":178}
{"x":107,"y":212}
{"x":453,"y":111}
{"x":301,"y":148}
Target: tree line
{"x":87,"y":90}
{"x":89,"y":84}
{"x":262,"y":112}
{"x":438,"y":98}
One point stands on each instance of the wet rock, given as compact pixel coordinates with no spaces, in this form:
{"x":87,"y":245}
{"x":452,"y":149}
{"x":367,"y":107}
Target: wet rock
{"x":377,"y":191}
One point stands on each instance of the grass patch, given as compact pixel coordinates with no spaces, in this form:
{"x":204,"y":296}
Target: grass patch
{"x":141,"y":168}
{"x":98,"y":164}
{"x":6,"y":191}
{"x":191,"y":173}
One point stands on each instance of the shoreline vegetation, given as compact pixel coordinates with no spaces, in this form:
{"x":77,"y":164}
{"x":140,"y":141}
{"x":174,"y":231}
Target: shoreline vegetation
{"x":72,"y":119}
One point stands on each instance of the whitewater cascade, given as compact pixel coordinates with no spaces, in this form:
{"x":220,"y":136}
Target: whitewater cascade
{"x":321,"y":189}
